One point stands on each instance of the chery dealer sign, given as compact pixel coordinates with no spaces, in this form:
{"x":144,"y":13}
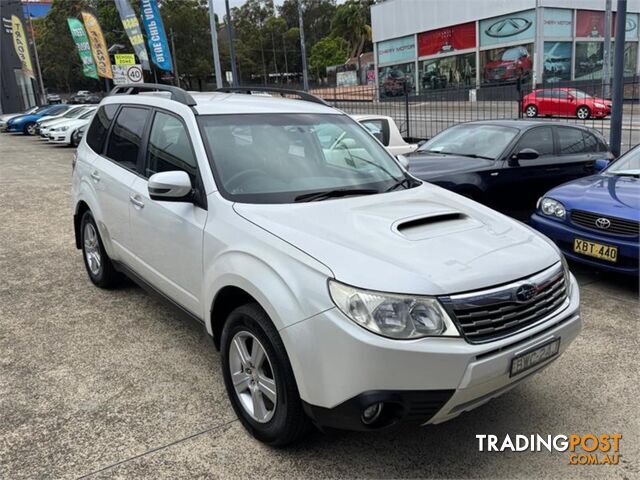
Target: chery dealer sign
{"x":448,"y":39}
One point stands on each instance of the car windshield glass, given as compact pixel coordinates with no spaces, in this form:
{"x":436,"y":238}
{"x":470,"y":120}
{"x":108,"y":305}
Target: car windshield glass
{"x":628,"y":164}
{"x":511,"y":54}
{"x":471,"y":140}
{"x":579,"y":94}
{"x":74,"y":113}
{"x":284,"y":158}
{"x":87,"y":114}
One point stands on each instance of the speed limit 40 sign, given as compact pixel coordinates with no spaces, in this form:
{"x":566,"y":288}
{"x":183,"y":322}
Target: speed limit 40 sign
{"x":124,"y":74}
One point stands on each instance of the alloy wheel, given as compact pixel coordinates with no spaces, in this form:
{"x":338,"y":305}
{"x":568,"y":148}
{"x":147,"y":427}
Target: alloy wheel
{"x":31,"y":129}
{"x":92,"y":249}
{"x":582,"y":113}
{"x":531,"y":111}
{"x":252,"y":376}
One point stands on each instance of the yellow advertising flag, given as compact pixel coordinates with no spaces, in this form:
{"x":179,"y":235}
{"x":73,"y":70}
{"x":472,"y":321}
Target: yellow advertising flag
{"x":98,"y":45}
{"x":21,"y":46}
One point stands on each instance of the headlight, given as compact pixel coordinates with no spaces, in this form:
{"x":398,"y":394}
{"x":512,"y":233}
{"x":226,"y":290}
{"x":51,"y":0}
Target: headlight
{"x":552,"y":207}
{"x":599,"y":105}
{"x":391,"y":315}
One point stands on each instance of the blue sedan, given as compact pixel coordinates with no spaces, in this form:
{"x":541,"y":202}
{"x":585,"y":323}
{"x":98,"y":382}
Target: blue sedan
{"x":27,"y":123}
{"x":595,"y":220}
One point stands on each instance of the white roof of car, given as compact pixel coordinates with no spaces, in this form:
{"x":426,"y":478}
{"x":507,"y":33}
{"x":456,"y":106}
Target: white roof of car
{"x":219,"y":103}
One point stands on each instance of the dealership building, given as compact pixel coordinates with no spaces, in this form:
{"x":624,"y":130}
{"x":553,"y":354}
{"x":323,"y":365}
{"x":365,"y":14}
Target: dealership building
{"x":432,"y":44}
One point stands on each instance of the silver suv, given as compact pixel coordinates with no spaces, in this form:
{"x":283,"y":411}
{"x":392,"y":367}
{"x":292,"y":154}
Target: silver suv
{"x":340,"y":290}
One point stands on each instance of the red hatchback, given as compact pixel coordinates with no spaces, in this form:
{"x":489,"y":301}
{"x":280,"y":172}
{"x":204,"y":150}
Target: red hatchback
{"x":565,"y":102}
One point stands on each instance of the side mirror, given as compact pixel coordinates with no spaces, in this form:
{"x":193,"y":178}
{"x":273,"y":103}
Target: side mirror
{"x":600,"y":164}
{"x":173,"y":186}
{"x":527,"y":154}
{"x":404,"y":161}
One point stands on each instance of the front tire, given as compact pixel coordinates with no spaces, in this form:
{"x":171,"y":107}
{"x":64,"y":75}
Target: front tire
{"x":30,"y":128}
{"x":96,"y":261}
{"x":583,"y":112}
{"x":531,"y":111}
{"x":259,"y":379}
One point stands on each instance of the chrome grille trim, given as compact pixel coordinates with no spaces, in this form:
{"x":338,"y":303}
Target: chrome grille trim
{"x":488,"y":315}
{"x":618,"y":226}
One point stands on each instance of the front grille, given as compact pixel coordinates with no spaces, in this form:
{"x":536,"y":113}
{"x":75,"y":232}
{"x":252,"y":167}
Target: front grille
{"x":499,"y":312}
{"x":617,"y":226}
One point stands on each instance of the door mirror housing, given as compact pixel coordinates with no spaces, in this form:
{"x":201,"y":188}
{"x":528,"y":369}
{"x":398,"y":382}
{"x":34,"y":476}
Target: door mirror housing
{"x":172,"y":186}
{"x":524,"y":154}
{"x":404,"y":161}
{"x":600,"y":164}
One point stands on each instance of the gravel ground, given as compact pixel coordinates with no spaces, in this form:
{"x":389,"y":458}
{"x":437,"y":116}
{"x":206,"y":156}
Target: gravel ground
{"x":119,"y":384}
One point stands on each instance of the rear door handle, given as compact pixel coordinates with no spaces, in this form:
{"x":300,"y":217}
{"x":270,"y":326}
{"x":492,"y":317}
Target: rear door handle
{"x":95,"y":175}
{"x":135,"y":199}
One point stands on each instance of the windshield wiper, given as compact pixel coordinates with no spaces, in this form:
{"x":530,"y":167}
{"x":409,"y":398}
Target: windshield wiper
{"x":405,"y":182}
{"x":342,"y":192}
{"x":470,"y":155}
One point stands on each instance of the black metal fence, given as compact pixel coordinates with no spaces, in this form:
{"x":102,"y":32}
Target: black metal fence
{"x":423,"y":114}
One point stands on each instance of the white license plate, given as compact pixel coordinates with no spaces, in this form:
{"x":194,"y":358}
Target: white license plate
{"x":530,"y":359}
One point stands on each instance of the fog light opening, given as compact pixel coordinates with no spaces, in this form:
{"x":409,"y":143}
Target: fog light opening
{"x":372,"y":413}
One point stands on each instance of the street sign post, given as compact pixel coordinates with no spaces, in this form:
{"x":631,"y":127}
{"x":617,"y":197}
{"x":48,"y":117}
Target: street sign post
{"x":124,"y":74}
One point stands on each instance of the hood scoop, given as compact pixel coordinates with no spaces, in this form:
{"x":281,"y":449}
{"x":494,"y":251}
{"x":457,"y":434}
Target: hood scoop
{"x":434,"y":225}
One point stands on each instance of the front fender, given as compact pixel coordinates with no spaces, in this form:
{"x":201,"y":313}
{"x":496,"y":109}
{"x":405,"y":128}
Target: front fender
{"x":288,"y":289}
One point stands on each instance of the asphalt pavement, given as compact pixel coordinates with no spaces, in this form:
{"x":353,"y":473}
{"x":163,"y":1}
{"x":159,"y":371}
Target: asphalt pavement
{"x":118,"y":384}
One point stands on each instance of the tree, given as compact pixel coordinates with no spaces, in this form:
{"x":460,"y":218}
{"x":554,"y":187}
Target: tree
{"x":352,"y":21}
{"x":327,"y":52}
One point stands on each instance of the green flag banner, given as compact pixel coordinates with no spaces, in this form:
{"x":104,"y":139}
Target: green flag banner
{"x":84,"y":49}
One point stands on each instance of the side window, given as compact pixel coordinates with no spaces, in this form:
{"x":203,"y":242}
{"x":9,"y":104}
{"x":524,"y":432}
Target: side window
{"x":571,"y":141}
{"x":591,"y":143}
{"x":124,"y":142}
{"x":100,"y":127}
{"x":169,"y":147}
{"x":539,"y":139}
{"x":379,"y":128}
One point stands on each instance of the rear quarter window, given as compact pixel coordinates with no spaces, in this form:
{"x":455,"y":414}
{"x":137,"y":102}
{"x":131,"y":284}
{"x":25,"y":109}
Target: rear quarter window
{"x":99,"y":128}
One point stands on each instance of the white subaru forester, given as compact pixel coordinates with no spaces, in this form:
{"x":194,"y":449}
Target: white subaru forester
{"x":340,"y":290}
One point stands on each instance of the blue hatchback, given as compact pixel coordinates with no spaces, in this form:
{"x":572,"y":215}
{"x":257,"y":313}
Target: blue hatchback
{"x":27,"y":123}
{"x":595,"y":220}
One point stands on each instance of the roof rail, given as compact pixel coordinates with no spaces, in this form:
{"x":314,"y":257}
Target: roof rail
{"x":177,"y":93}
{"x":306,"y":96}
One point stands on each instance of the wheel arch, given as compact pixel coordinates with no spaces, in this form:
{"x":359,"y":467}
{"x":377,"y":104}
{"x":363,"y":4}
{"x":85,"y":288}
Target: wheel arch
{"x":81,"y":208}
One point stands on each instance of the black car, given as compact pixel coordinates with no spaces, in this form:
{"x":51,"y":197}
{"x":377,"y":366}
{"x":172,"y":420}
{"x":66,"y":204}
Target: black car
{"x":508,"y":164}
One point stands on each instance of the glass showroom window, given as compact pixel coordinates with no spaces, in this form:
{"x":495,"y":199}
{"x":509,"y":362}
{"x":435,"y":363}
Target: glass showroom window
{"x":557,"y":61}
{"x":453,"y":71}
{"x":392,"y":79}
{"x":506,"y":64}
{"x":590,"y":55}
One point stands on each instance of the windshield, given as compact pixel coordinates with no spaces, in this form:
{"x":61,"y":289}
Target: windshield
{"x":628,"y":164}
{"x":474,"y":140}
{"x":75,"y":113}
{"x":512,"y":54}
{"x":284,"y":158}
{"x":88,"y":114}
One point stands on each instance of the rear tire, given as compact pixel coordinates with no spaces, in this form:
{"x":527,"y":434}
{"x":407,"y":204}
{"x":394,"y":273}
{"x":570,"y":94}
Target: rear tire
{"x":277,"y":419}
{"x":531,"y":111}
{"x":583,"y":112}
{"x":96,"y":261}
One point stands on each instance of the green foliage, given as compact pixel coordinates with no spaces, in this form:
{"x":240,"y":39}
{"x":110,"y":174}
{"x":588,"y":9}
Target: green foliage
{"x":327,"y":52}
{"x":352,"y":21}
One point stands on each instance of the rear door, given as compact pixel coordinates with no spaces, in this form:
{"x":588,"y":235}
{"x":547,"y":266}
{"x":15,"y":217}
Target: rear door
{"x":577,"y":151}
{"x":113,"y":173}
{"x":167,"y":236}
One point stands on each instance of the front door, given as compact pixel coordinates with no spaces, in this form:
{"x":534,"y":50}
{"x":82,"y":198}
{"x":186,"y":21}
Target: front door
{"x":167,"y":236}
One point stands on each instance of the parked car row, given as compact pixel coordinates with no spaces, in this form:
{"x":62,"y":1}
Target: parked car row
{"x":60,"y":123}
{"x":582,"y":199}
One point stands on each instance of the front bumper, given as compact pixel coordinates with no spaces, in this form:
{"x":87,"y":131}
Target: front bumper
{"x":14,"y":128}
{"x":60,"y":137}
{"x":563,"y":235}
{"x":340,"y":366}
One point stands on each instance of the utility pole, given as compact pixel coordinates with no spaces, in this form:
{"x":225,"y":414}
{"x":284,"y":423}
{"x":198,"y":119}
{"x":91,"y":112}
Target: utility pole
{"x":175,"y":59}
{"x":615,"y":138}
{"x":286,"y":64}
{"x":232,"y":46}
{"x":214,"y":44}
{"x":35,"y":52}
{"x":606,"y":70}
{"x":303,"y":49}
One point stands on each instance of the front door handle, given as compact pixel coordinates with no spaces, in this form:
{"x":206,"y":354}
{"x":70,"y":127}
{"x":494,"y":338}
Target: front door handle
{"x":135,"y":199}
{"x":95,"y":175}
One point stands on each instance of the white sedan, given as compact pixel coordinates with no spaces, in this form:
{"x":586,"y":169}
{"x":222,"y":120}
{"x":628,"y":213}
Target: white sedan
{"x":62,"y":133}
{"x":384,"y":128}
